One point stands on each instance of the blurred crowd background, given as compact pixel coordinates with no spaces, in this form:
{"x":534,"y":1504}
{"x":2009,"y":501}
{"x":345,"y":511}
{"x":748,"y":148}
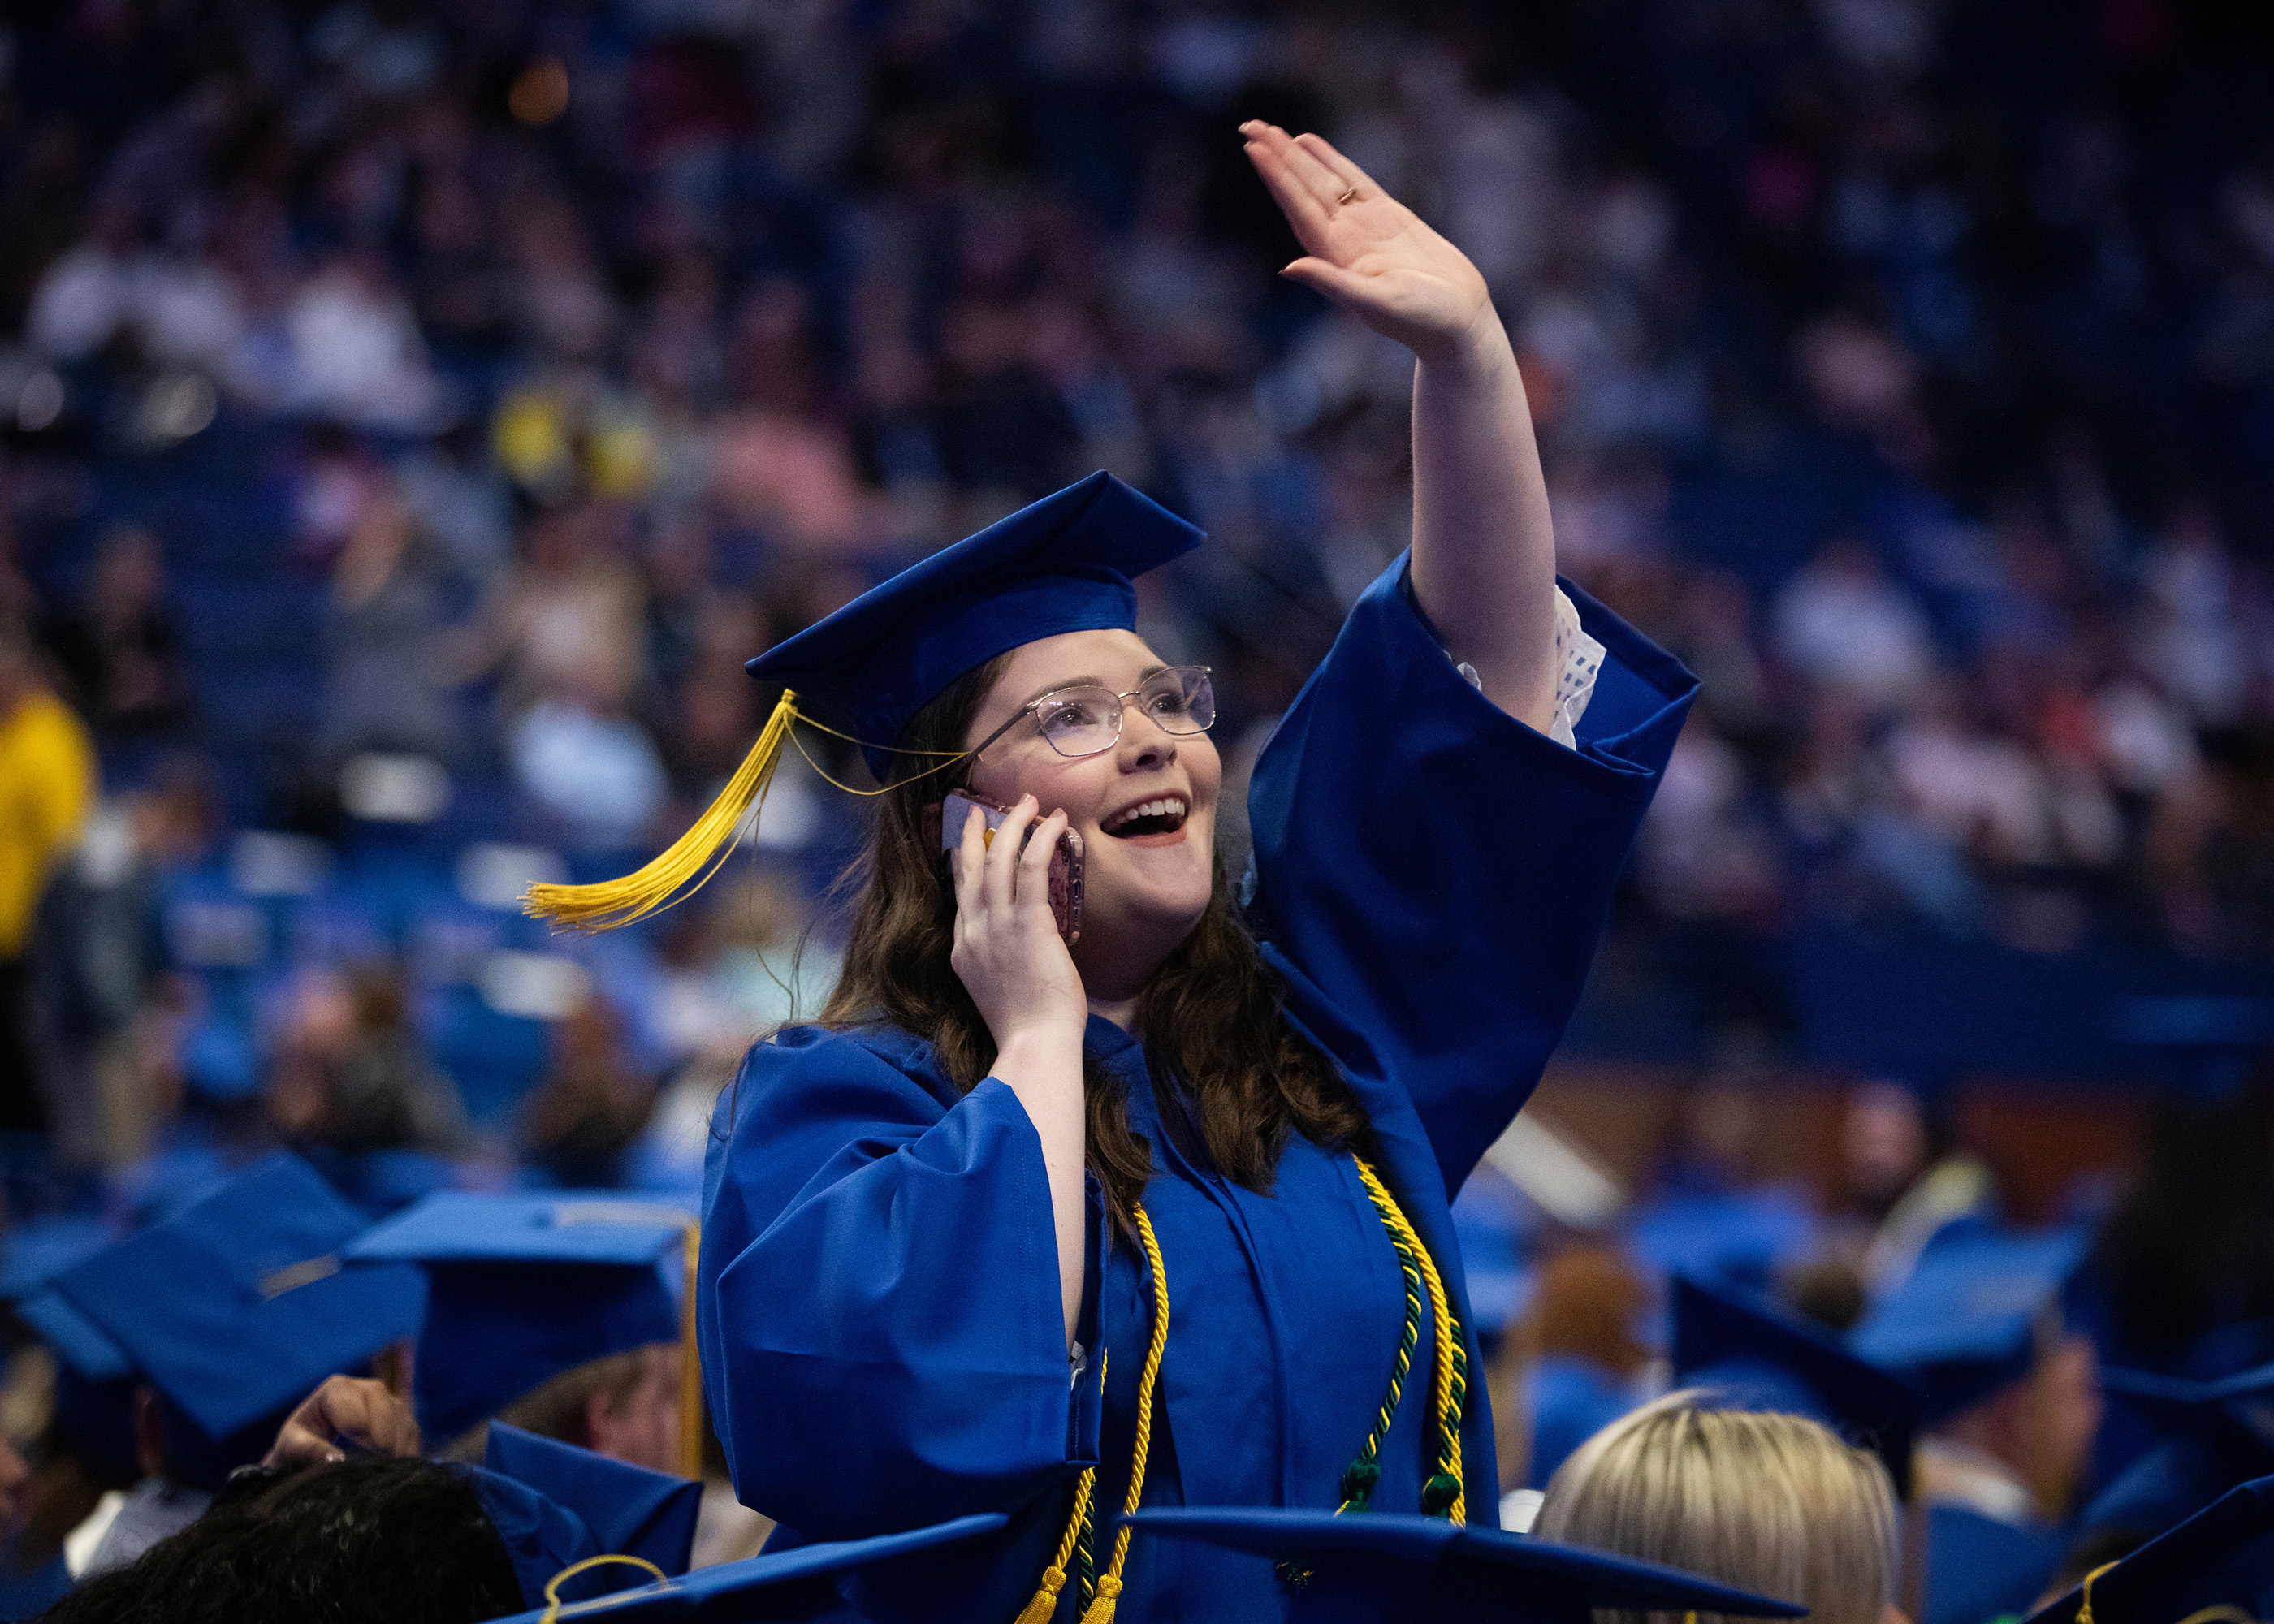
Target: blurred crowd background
{"x":412,"y":417}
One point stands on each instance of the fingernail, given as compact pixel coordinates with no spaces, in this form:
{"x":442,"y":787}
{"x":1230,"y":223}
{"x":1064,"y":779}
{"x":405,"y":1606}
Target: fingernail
{"x":333,"y":1458}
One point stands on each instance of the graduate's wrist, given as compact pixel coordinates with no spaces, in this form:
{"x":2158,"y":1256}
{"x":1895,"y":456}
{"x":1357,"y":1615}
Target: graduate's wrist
{"x":1476,"y":356}
{"x":1041,"y":1052}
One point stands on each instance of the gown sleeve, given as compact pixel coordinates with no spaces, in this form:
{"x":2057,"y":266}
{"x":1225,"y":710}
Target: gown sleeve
{"x":1431,"y":876}
{"x":878,"y":1302}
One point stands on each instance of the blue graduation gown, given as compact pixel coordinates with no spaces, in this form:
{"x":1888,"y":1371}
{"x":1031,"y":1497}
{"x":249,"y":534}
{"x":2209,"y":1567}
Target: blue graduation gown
{"x":878,"y":1300}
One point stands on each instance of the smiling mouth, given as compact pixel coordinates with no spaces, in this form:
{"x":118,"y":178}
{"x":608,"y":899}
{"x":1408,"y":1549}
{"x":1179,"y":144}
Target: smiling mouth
{"x":1163,"y":815}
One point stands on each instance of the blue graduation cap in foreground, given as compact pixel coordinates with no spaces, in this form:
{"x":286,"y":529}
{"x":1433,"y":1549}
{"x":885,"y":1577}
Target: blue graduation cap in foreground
{"x":234,"y":1310}
{"x":1063,"y":564}
{"x":526,"y":1287}
{"x":1757,"y":1357}
{"x":36,"y":1250}
{"x":1966,"y":1320}
{"x":2220,"y":1560}
{"x":555,"y":1505}
{"x":2208,"y":1443}
{"x":792,"y":1584}
{"x":1384,"y":1569}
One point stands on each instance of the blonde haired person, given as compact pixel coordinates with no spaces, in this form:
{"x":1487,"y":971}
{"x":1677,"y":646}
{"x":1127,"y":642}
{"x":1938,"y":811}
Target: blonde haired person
{"x":1773,"y":1503}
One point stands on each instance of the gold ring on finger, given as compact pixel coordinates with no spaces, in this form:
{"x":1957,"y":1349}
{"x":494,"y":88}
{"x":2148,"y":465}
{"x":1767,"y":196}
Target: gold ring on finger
{"x":1348,"y":193}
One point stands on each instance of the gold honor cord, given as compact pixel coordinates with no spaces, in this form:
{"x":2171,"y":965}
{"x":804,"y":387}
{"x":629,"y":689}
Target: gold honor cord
{"x":1045,"y":1602}
{"x":1451,"y":1388}
{"x":688,"y":863}
{"x":553,"y":1602}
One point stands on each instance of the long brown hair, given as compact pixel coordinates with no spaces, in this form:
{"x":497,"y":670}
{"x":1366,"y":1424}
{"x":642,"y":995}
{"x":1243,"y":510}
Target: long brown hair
{"x":1210,"y":1016}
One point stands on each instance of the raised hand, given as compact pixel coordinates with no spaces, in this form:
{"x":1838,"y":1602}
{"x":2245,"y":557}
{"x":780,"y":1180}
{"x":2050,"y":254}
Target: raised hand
{"x":1370,"y":253}
{"x":348,"y":1407}
{"x":1007,"y":950}
{"x":1484,"y":549}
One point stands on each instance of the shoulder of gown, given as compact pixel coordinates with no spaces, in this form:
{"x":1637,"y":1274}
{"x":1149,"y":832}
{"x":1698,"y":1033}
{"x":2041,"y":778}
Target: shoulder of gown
{"x":879,"y":1301}
{"x":1431,"y":876}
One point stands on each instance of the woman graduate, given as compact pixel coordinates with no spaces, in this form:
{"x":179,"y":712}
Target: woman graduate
{"x":1163,"y":1218}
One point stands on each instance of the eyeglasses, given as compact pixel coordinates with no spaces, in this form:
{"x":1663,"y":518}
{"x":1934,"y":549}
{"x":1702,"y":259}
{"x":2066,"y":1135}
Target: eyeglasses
{"x":1085,"y":720}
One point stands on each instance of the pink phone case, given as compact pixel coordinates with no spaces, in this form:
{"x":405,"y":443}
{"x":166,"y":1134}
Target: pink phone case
{"x":1066,"y":862}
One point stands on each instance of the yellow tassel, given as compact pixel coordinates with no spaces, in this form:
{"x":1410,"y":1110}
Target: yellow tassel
{"x":552,"y":1603}
{"x":1046,"y":1599}
{"x":1100,"y":1611}
{"x":683,"y":868}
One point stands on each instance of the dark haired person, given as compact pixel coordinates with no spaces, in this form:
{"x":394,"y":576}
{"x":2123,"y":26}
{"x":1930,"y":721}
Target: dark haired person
{"x":1163,"y":1217}
{"x":309,"y":1534}
{"x":382,"y":1539}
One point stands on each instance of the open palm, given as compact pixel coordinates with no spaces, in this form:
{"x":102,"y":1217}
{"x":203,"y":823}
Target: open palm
{"x":1367,"y":252}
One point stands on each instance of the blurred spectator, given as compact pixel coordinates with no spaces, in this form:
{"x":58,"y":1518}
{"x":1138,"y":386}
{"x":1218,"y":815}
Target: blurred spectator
{"x":1841,"y":622}
{"x":1582,"y":1341}
{"x":568,"y":616}
{"x":120,"y":649}
{"x":384,"y":690}
{"x":1903,"y":1177}
{"x":47,"y":789}
{"x":589,"y":1106}
{"x":2188,"y":1255}
{"x":351,"y":1074}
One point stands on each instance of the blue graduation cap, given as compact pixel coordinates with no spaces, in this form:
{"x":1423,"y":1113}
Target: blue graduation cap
{"x":1743,"y":1234}
{"x":1385,"y":1568}
{"x":1063,"y":564}
{"x":233,"y":1311}
{"x":555,"y":1505}
{"x":36,"y":1250}
{"x":525,"y":1286}
{"x":790,"y":1584}
{"x":2208,"y":1443}
{"x":2218,"y":1564}
{"x":1759,"y":1358}
{"x":1967,"y":1319}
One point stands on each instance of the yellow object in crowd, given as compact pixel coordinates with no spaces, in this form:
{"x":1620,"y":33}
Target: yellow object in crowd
{"x":47,"y":787}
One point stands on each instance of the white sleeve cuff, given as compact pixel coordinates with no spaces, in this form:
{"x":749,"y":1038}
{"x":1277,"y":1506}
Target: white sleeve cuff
{"x":1578,"y":660}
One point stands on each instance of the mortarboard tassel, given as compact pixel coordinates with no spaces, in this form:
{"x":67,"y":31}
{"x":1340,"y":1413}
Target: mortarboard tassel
{"x":552,"y":1603}
{"x":683,"y":865}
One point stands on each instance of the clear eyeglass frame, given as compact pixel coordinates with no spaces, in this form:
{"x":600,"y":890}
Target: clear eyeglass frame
{"x":1094,"y":708}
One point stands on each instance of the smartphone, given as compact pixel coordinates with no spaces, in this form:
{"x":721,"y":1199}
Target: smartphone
{"x":1066,"y":862}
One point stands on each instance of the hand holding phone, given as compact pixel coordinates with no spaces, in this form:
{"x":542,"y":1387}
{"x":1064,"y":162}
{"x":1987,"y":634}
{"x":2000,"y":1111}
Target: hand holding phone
{"x":1066,"y":861}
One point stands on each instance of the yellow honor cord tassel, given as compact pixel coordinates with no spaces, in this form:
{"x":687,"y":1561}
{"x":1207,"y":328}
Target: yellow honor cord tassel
{"x":2084,"y":1602}
{"x":1045,"y":1600}
{"x":682,"y":868}
{"x":1108,"y":1590}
